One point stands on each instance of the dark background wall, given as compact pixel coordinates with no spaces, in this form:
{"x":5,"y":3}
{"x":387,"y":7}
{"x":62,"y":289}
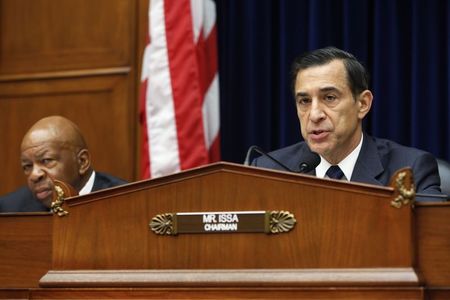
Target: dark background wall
{"x":404,"y":45}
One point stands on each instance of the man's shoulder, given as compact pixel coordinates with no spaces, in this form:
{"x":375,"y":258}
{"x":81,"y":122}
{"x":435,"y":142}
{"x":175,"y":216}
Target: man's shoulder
{"x":21,"y":193}
{"x":290,"y":156}
{"x":104,"y":180}
{"x":394,"y":156}
{"x":21,"y":200}
{"x":389,"y":147}
{"x":290,"y":150}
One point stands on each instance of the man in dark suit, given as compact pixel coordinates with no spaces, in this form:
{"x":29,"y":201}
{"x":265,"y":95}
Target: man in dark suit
{"x":332,"y":98}
{"x":54,"y":148}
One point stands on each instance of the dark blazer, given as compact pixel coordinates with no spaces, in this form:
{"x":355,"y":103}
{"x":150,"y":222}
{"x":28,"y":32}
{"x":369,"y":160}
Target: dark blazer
{"x":22,"y":200}
{"x":378,"y":160}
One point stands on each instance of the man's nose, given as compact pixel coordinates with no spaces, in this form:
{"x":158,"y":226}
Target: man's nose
{"x":316,"y":114}
{"x":37,"y":174}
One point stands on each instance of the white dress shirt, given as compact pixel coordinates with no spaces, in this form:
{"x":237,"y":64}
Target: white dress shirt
{"x":347,"y":164}
{"x":87,"y":188}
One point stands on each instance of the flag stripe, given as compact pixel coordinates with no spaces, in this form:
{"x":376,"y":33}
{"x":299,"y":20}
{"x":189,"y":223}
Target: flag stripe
{"x":214,"y":150}
{"x":207,"y":59}
{"x":162,"y":131}
{"x":145,"y":157}
{"x":211,"y":112}
{"x":185,"y":84}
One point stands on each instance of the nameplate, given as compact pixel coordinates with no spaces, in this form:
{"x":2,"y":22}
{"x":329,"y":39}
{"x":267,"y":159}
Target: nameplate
{"x":269,"y":222}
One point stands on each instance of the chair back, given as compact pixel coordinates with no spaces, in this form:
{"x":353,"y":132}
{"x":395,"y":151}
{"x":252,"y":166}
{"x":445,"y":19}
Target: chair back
{"x":444,"y":173}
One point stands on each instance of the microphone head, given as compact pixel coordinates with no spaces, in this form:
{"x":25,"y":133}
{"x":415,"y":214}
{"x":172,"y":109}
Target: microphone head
{"x":309,"y":162}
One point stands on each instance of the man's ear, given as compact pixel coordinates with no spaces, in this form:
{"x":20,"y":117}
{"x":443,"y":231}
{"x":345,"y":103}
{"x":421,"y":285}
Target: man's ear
{"x":365,"y":103}
{"x":84,"y":161}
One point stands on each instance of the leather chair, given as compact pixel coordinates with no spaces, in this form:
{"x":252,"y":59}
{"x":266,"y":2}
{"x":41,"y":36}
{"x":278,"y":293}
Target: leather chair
{"x":444,"y":173}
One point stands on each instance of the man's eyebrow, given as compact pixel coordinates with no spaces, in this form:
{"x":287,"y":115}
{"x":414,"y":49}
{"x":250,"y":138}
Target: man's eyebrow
{"x":24,"y":160}
{"x":301,"y":94}
{"x":329,"y":89}
{"x":325,"y":89}
{"x":41,"y":152}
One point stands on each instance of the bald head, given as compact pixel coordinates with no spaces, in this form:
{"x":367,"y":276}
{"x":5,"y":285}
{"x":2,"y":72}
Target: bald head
{"x":55,"y":129}
{"x":54,"y":148}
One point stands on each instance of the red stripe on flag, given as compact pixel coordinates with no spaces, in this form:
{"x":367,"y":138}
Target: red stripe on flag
{"x":185,"y":87}
{"x":147,"y":38}
{"x":207,"y":58}
{"x":145,"y":161}
{"x":214,"y":149}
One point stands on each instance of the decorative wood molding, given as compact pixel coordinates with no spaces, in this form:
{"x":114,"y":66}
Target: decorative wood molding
{"x":400,"y":277}
{"x":65,"y":74}
{"x":403,"y":183}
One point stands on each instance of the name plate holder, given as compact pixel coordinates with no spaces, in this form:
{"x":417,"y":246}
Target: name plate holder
{"x":269,"y":222}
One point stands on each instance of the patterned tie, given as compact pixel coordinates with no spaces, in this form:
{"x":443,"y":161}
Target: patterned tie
{"x":335,"y":172}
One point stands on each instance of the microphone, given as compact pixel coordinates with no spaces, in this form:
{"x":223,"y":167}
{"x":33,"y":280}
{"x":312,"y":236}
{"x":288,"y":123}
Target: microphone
{"x":310,"y":161}
{"x":263,"y":153}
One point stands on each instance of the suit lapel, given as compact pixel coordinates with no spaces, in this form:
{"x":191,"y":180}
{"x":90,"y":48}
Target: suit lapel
{"x":98,"y":183}
{"x":368,"y":165}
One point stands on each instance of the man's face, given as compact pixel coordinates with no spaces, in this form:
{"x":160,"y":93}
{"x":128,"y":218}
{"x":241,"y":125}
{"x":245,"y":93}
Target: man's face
{"x":42,"y":158}
{"x":330,"y":117}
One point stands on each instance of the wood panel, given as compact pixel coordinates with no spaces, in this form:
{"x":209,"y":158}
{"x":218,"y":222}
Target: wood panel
{"x":25,"y":249}
{"x":437,"y":294}
{"x":48,"y":35}
{"x":232,"y":293}
{"x":76,"y":58}
{"x":433,"y":249}
{"x":14,"y":294}
{"x":142,"y":28}
{"x":98,"y":104}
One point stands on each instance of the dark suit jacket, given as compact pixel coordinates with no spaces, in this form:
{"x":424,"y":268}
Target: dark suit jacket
{"x":378,"y":160}
{"x":22,"y":200}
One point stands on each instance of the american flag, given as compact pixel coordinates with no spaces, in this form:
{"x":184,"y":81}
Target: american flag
{"x":179,"y":102}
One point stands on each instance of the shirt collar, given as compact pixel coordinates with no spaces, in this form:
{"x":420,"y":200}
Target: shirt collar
{"x":87,"y":188}
{"x":347,"y":165}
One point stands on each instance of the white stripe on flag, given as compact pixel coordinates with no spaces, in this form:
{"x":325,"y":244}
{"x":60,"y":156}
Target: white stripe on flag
{"x":197,"y":17}
{"x":209,"y":16}
{"x":211,"y":112}
{"x":162,"y":132}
